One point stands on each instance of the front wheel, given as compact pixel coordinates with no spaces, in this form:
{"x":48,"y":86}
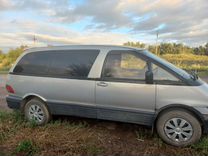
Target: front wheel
{"x":36,"y":110}
{"x":178,"y":128}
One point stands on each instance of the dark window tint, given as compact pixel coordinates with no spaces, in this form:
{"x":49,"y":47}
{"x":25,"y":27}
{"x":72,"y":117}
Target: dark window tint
{"x":72,"y":63}
{"x":124,"y":65}
{"x":33,"y":63}
{"x":67,"y":63}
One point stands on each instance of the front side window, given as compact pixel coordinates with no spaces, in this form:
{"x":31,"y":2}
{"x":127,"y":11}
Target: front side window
{"x":124,"y":65}
{"x":162,"y":76}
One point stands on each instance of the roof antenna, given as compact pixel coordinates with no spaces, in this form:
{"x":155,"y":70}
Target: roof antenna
{"x":34,"y":40}
{"x":156,"y":42}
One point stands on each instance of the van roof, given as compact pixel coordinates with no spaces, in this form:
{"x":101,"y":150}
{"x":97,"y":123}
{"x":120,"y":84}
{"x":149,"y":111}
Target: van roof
{"x":68,"y":47}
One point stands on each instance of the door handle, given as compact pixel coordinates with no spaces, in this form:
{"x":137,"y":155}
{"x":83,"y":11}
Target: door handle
{"x":102,"y":84}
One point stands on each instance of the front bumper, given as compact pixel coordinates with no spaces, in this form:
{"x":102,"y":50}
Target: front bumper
{"x":13,"y":102}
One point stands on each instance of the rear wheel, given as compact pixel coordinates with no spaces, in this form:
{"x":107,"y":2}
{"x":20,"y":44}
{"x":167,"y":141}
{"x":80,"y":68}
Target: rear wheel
{"x":36,"y":110}
{"x":178,"y":128}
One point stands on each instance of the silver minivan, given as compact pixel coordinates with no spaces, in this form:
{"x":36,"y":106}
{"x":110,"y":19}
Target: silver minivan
{"x":111,"y":83}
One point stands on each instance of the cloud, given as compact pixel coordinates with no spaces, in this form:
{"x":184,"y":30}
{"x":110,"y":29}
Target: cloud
{"x":44,"y":40}
{"x":48,"y":34}
{"x":178,"y":20}
{"x":5,"y":5}
{"x":178,"y":17}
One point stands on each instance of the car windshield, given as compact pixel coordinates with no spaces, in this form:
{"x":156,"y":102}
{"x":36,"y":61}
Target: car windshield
{"x":181,"y":72}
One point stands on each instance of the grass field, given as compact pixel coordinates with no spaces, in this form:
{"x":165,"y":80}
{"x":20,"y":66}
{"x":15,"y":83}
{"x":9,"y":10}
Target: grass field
{"x":75,"y":136}
{"x":188,"y":61}
{"x":4,"y":72}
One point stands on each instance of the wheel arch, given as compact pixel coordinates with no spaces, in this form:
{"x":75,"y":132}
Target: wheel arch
{"x":190,"y":109}
{"x":30,"y":96}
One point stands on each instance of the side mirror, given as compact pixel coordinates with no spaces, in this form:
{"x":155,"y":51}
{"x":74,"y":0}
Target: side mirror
{"x":149,"y":77}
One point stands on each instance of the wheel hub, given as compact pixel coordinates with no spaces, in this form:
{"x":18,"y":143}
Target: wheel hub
{"x":178,"y":129}
{"x":36,"y":113}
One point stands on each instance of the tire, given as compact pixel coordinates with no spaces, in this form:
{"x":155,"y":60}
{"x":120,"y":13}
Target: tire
{"x":178,"y":128}
{"x":36,"y":110}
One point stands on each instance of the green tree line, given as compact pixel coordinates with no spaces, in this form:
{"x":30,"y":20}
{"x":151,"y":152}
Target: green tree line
{"x":7,"y":59}
{"x":171,"y":48}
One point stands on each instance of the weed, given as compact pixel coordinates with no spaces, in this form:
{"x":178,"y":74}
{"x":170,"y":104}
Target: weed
{"x":10,"y":123}
{"x":32,"y":123}
{"x":3,"y":135}
{"x":157,"y":140}
{"x":26,"y":147}
{"x":17,"y":117}
{"x":160,"y":142}
{"x":78,"y":125}
{"x":6,"y":125}
{"x":4,"y":115}
{"x":202,"y":145}
{"x":82,"y":124}
{"x":93,"y":150}
{"x":56,"y":122}
{"x":142,"y":134}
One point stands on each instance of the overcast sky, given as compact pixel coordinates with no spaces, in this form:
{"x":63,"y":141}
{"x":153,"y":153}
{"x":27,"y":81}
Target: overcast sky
{"x":56,"y":22}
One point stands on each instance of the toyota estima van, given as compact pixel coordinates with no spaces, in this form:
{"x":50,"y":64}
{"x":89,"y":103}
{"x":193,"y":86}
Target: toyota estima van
{"x":111,"y":83}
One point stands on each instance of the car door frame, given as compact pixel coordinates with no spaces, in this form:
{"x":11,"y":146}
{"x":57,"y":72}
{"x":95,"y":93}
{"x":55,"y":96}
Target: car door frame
{"x":145,"y":118}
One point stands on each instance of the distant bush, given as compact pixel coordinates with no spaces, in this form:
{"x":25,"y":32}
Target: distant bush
{"x":171,"y":48}
{"x":6,"y":60}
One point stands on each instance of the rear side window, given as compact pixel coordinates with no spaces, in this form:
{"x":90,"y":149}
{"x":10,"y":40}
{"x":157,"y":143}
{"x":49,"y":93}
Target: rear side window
{"x":33,"y":63}
{"x":72,"y":64}
{"x":67,"y":63}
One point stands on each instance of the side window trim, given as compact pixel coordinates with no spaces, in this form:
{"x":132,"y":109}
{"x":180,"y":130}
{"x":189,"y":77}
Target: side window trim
{"x":103,"y":78}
